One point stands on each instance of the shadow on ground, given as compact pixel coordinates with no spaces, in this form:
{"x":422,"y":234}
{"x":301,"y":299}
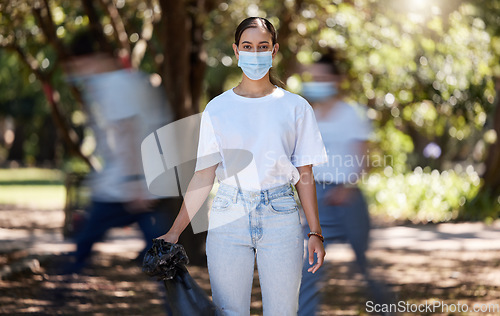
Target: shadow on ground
{"x":113,"y":284}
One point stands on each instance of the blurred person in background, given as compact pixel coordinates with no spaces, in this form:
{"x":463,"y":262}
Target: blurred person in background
{"x":343,"y":211}
{"x":123,"y":108}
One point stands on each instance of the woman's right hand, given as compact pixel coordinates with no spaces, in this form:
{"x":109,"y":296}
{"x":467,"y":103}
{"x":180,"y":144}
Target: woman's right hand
{"x":170,"y":237}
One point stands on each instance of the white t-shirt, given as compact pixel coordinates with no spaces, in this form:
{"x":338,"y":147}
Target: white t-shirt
{"x":124,"y":108}
{"x":343,"y":127}
{"x":258,"y":143}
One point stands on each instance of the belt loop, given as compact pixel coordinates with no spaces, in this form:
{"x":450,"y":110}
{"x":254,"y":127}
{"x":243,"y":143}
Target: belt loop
{"x":235,"y":197}
{"x":266,"y":196}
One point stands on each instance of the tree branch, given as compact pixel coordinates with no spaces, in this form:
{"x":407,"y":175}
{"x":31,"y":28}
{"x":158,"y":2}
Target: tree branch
{"x":46,"y":23}
{"x":68,"y":134}
{"x":146,"y":34}
{"x":96,"y":26}
{"x":117,"y":23}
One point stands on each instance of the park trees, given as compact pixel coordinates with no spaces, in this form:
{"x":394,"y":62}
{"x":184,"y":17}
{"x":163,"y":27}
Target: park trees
{"x":425,"y":69}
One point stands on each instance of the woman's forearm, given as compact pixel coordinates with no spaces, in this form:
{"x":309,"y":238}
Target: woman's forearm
{"x":306,"y":189}
{"x":197,"y":192}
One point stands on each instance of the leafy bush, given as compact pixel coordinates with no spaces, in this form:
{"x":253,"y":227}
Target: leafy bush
{"x":421,"y":196}
{"x":485,"y":206}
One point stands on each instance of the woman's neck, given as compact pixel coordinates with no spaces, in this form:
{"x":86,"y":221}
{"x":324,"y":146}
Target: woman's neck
{"x":254,"y":88}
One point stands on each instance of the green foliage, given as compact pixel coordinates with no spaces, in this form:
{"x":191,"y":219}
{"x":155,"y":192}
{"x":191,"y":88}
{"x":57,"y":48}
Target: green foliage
{"x":421,"y":196}
{"x":75,"y":166}
{"x":24,"y":175}
{"x":393,"y":147}
{"x":430,"y":72}
{"x":425,"y":71}
{"x":482,"y":207}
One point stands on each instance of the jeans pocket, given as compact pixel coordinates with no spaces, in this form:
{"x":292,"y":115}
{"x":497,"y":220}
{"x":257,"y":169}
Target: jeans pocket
{"x":283,"y":204}
{"x":220,"y":203}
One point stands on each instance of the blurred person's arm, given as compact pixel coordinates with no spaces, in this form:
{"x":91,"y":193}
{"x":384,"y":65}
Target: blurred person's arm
{"x":306,"y":189}
{"x":197,"y":192}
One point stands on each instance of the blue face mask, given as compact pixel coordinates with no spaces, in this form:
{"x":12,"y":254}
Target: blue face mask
{"x":255,"y":65}
{"x":318,"y":91}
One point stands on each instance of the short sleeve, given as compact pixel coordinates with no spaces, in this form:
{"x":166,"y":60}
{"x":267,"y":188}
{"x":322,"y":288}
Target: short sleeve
{"x":208,"y":147}
{"x":309,"y":147}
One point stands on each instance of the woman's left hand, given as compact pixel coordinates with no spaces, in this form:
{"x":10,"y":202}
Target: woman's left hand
{"x":315,"y":245}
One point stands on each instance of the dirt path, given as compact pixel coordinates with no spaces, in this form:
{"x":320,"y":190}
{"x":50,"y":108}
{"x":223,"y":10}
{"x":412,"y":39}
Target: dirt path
{"x":448,"y":263}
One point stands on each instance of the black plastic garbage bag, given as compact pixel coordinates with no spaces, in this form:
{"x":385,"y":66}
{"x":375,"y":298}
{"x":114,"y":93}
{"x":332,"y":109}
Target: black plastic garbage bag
{"x":186,"y":297}
{"x":163,"y":258}
{"x":166,"y":261}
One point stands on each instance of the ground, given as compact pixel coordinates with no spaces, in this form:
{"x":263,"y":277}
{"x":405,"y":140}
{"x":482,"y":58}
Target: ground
{"x":447,"y":263}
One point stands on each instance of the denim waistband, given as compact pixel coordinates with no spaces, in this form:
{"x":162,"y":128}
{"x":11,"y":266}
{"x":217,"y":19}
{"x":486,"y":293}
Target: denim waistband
{"x":269,"y":194}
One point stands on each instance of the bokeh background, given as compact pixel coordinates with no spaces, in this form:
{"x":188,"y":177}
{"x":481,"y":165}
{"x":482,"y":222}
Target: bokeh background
{"x":427,"y":70}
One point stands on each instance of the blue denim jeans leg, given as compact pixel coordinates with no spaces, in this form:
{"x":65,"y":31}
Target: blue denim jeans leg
{"x":106,"y":215}
{"x":249,"y":225}
{"x":349,"y":223}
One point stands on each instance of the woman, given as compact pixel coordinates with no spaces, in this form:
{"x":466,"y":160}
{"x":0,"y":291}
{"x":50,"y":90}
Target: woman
{"x":254,"y":214}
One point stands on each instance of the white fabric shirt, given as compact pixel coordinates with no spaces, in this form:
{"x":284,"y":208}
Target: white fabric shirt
{"x":258,"y":143}
{"x":342,"y":128}
{"x":124,"y":108}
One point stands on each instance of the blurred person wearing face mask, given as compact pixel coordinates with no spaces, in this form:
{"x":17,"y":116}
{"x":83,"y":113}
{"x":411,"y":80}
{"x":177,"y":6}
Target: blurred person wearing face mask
{"x":343,"y":211}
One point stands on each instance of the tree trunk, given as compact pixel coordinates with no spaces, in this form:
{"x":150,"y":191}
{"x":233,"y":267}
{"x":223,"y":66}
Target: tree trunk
{"x":47,"y":142}
{"x":176,"y":68}
{"x":16,"y":151}
{"x":289,"y":62}
{"x":419,"y":143}
{"x":491,"y":175}
{"x":197,"y":59}
{"x":183,"y":71}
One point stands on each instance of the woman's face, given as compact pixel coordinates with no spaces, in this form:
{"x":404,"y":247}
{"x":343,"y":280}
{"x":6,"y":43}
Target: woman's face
{"x":255,"y":39}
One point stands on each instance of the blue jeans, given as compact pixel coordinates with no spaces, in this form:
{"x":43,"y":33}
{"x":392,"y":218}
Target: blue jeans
{"x":349,"y":222}
{"x":245,"y":225}
{"x":106,"y":215}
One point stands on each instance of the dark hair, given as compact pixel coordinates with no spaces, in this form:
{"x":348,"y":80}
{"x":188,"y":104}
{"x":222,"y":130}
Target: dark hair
{"x":83,"y":43}
{"x":334,"y":62}
{"x":87,"y":42}
{"x":328,"y":61}
{"x":253,"y":22}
